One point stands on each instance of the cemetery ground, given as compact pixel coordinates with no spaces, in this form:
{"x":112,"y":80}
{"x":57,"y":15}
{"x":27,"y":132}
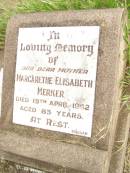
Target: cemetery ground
{"x":33,"y":6}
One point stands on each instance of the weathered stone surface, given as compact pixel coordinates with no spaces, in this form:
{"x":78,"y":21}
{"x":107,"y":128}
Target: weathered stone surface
{"x":122,"y":134}
{"x":1,"y":58}
{"x":76,"y":157}
{"x":119,"y":149}
{"x":60,"y":149}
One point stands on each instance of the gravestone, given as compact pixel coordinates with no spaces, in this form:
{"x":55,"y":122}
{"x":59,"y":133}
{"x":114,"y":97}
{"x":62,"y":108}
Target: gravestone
{"x":61,"y":89}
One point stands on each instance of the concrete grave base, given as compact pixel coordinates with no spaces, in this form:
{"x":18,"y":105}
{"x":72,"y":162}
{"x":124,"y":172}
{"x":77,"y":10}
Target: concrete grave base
{"x":58,"y":152}
{"x":120,"y":144}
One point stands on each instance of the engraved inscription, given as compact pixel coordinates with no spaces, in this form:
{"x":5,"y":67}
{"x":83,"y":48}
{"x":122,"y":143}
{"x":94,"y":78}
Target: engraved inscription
{"x":56,"y":77}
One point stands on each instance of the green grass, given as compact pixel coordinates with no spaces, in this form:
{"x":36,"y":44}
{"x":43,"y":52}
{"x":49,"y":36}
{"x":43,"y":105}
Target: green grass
{"x":29,"y":6}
